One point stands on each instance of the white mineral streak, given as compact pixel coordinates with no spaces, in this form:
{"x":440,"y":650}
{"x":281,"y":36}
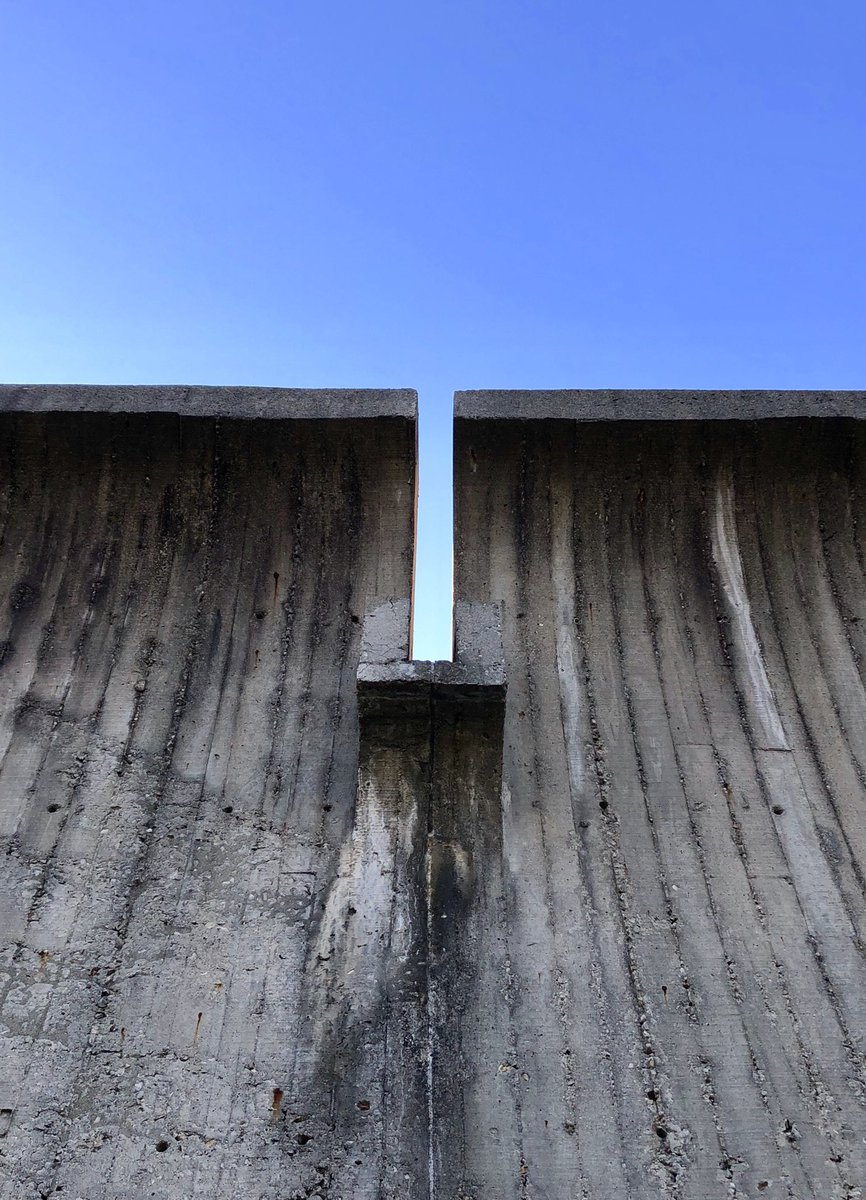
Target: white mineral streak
{"x":752,"y":672}
{"x":349,"y":945}
{"x":562,"y":570}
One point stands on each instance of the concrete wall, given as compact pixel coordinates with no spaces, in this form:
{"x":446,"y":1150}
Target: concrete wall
{"x":679,"y":1007}
{"x":289,"y":916}
{"x":181,"y":605}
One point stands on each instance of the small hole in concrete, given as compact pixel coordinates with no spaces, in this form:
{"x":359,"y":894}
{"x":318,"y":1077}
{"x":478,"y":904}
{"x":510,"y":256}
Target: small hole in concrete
{"x":228,"y":808}
{"x":661,"y":1131}
{"x":602,"y":804}
{"x":162,"y":1146}
{"x":52,"y":808}
{"x":364,"y":1105}
{"x":778,"y":810}
{"x":651,"y":1094}
{"x":260,"y":614}
{"x":303,"y":1138}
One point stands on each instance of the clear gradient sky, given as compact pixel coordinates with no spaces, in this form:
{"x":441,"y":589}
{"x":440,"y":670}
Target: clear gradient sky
{"x":434,"y":195}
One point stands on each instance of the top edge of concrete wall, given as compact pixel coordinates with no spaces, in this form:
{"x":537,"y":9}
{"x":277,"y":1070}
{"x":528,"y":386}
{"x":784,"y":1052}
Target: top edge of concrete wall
{"x":680,"y":405}
{"x":244,"y":403}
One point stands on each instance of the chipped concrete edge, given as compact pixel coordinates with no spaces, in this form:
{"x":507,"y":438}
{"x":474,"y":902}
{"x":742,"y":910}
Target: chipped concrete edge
{"x":244,"y":403}
{"x":386,"y":674}
{"x":651,"y":405}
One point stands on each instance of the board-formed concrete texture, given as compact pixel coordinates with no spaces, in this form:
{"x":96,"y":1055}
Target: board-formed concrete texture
{"x":182,"y":598}
{"x":287,"y":915}
{"x":681,"y":1000}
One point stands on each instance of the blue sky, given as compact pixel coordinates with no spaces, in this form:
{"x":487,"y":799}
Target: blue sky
{"x":440,"y":196}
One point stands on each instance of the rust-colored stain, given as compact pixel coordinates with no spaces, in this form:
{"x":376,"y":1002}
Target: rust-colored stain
{"x":276,"y":1104}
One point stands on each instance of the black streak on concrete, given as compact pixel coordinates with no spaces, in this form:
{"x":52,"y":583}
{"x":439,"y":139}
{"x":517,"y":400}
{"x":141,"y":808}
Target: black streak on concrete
{"x":431,"y":734}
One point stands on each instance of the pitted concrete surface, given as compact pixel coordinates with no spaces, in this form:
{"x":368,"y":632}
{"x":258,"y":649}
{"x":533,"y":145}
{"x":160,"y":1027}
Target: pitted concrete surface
{"x":680,"y":1000}
{"x":181,"y":611}
{"x":431,"y":752}
{"x":260,"y":942}
{"x":235,"y":403}
{"x":607,"y":404}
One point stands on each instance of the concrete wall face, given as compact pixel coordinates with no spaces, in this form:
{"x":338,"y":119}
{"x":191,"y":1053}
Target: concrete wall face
{"x":288,"y":915}
{"x":181,"y":604}
{"x":680,"y":996}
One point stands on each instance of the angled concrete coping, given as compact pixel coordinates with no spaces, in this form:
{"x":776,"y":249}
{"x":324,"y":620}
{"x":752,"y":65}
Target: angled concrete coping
{"x":683,"y":405}
{"x":389,"y":681}
{"x":244,"y":403}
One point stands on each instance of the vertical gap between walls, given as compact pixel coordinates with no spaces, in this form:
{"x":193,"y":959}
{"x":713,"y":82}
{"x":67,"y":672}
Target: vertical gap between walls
{"x":433,"y":577}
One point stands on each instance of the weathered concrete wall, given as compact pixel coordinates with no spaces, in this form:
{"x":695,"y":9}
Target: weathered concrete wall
{"x":678,"y":1006}
{"x":287,"y":915}
{"x":431,"y":753}
{"x":181,"y":603}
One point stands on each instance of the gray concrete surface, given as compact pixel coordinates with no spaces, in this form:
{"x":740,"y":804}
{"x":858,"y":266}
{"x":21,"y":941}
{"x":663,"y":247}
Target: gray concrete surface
{"x":678,"y":1007}
{"x":289,"y":916}
{"x":661,"y":405}
{"x":431,"y":754}
{"x":250,"y":403}
{"x":181,"y":603}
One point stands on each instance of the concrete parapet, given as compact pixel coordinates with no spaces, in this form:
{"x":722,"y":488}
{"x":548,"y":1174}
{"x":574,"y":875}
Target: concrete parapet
{"x":236,"y":403}
{"x":650,"y":405}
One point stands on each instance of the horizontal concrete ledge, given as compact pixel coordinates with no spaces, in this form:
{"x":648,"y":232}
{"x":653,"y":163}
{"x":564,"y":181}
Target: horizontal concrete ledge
{"x":244,"y":403}
{"x":684,"y":405}
{"x":390,"y":682}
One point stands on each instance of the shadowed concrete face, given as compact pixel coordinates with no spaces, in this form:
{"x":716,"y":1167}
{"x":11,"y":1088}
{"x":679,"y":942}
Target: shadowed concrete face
{"x":431,"y":755}
{"x":682,"y":992}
